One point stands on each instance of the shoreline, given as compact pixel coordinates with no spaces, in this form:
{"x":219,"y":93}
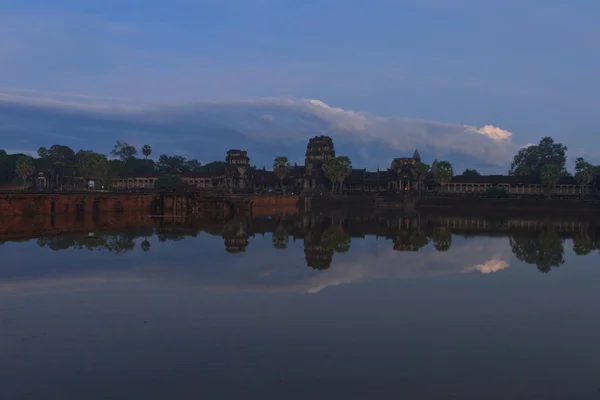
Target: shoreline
{"x":160,"y":203}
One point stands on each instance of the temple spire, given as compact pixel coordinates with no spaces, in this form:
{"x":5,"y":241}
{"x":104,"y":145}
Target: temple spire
{"x":416,"y":156}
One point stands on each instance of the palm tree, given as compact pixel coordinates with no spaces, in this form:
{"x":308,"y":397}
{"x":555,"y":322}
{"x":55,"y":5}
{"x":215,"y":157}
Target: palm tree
{"x":443,"y":172}
{"x":584,"y":173}
{"x":337,"y":169}
{"x":420,"y":170}
{"x":332,"y":172}
{"x":344,"y":166}
{"x":281,"y":167}
{"x":146,"y":151}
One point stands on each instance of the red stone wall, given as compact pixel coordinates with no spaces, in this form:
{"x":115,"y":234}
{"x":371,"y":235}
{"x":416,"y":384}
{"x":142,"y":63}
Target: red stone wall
{"x":40,"y":204}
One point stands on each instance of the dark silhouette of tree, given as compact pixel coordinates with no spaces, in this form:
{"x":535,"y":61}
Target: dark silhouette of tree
{"x":123,"y":151}
{"x":442,"y":238}
{"x":443,"y":172}
{"x":420,"y":171}
{"x":146,"y":151}
{"x":470,"y":172}
{"x":337,"y":169}
{"x":172,"y":164}
{"x":530,"y":160}
{"x":545,"y":250}
{"x":584,"y":174}
{"x":281,"y":167}
{"x":549,"y":175}
{"x":59,"y":162}
{"x":24,"y":169}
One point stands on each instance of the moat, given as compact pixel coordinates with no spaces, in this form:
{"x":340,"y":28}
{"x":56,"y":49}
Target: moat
{"x":296,"y":305}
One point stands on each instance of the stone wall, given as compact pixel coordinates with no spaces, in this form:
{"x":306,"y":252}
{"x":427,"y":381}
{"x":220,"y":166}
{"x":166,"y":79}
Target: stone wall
{"x":41,"y":204}
{"x":488,"y":206}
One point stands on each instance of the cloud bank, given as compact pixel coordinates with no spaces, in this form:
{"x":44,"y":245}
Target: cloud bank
{"x":264,"y":126}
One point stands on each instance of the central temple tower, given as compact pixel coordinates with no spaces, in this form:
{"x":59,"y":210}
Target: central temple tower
{"x":319,"y":150}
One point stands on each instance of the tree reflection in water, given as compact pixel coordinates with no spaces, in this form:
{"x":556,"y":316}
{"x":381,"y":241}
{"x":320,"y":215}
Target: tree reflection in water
{"x":114,"y":242}
{"x":535,"y":242}
{"x":442,"y":238}
{"x":281,"y":237}
{"x":545,"y":249}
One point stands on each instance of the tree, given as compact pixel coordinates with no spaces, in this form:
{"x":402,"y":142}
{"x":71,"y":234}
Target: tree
{"x":420,"y":171}
{"x":549,"y":175}
{"x":172,"y":164}
{"x":331,"y":171}
{"x":281,"y":167}
{"x":443,"y":173}
{"x":530,"y":160}
{"x":344,"y":166}
{"x":59,"y":161}
{"x":337,"y":169}
{"x":8,"y":163}
{"x":584,"y":174}
{"x":193,"y":165}
{"x":146,"y":151}
{"x":91,"y":164}
{"x":24,"y":168}
{"x":470,"y":172}
{"x":123,"y":151}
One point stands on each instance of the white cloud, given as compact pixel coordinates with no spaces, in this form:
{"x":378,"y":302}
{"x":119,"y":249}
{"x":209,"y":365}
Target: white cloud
{"x":491,"y":131}
{"x":489,"y":266}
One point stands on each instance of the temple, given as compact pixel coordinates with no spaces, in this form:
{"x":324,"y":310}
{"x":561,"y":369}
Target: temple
{"x":237,"y":175}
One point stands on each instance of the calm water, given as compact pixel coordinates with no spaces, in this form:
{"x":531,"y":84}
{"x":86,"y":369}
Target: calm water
{"x":316,"y":307}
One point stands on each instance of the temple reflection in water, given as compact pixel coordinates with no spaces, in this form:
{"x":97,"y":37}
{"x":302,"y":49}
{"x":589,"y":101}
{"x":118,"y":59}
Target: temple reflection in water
{"x":533,"y":241}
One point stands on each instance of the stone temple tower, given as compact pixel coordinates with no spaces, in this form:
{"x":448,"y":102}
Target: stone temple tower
{"x":319,"y":150}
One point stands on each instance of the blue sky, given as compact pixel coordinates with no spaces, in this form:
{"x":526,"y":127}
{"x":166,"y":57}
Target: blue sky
{"x":527,"y":66}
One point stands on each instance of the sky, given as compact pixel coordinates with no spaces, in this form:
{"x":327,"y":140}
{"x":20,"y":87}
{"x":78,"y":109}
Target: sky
{"x":526,"y":66}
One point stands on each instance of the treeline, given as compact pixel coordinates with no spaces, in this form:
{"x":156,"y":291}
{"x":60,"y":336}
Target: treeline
{"x":65,"y":166}
{"x":545,"y":162}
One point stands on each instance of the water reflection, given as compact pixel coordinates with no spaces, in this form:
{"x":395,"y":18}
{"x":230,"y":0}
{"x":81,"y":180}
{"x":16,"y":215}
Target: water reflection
{"x":336,"y":306}
{"x":536,"y":242}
